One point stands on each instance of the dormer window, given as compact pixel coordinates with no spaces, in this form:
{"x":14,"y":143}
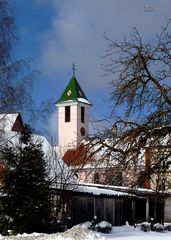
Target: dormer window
{"x":67,"y":113}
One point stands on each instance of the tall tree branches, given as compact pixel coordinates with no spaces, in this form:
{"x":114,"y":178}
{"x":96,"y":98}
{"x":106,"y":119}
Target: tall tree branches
{"x":141,"y":90}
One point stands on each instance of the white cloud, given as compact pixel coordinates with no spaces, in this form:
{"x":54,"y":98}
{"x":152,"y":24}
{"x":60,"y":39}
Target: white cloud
{"x":75,"y":33}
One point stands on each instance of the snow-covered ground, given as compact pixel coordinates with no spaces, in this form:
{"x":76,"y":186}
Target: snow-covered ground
{"x":82,"y":233}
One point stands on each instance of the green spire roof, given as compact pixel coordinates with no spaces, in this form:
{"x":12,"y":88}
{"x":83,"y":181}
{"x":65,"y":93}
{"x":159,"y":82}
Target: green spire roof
{"x":73,"y":92}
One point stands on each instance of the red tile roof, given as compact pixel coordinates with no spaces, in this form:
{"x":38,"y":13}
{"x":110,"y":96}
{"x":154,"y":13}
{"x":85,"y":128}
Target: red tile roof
{"x":76,"y":157}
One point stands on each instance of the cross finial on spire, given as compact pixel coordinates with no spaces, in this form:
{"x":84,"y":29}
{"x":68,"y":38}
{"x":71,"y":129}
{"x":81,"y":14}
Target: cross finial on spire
{"x":73,"y":69}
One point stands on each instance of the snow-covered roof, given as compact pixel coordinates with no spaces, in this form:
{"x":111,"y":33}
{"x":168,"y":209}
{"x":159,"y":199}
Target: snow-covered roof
{"x":8,"y":120}
{"x":10,"y":135}
{"x":46,"y":146}
{"x":115,"y":189}
{"x":97,"y":191}
{"x":83,"y":100}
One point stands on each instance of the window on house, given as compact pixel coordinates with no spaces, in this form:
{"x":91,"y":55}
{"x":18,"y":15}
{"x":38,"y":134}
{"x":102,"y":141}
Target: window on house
{"x":82,"y":114}
{"x":76,"y":175}
{"x":96,"y":178}
{"x":67,"y":114}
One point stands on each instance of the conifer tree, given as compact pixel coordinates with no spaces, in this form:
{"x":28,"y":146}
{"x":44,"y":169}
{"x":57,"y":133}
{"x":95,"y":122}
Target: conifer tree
{"x":26,"y":188}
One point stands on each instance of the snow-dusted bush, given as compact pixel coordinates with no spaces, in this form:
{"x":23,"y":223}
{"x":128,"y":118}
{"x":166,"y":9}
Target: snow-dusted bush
{"x":158,"y":227}
{"x":103,"y":227}
{"x":144,"y":226}
{"x":167,"y":226}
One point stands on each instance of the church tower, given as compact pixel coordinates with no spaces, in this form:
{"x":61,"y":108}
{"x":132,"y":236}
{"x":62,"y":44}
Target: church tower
{"x":73,"y":121}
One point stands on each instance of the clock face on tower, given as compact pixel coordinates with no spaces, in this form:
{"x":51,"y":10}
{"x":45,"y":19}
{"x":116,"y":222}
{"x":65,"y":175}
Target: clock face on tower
{"x":82,"y":131}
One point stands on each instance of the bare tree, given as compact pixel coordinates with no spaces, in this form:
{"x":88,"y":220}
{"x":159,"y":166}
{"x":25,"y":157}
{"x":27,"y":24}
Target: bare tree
{"x":16,"y":75}
{"x":141,"y":94}
{"x":16,"y":78}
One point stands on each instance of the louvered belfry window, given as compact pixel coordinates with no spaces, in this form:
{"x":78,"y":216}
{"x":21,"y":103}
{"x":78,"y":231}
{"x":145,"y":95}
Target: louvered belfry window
{"x":67,"y":113}
{"x":82,"y":114}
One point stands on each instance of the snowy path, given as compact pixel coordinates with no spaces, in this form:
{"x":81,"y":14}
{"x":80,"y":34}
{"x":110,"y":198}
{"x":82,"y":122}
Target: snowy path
{"x":131,"y":233}
{"x":79,"y":233}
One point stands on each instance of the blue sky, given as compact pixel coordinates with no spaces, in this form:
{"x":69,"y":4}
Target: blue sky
{"x":56,"y":33}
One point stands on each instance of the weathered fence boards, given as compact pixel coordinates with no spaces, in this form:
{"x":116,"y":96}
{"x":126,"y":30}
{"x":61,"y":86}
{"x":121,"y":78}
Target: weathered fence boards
{"x":115,"y":211}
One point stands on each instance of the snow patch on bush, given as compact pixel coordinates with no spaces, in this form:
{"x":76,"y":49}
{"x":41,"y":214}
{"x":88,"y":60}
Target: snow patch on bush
{"x":144,"y":226}
{"x":104,"y":227}
{"x":158,"y":227}
{"x":167,"y":226}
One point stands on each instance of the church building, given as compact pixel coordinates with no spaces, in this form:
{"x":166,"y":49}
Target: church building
{"x":73,"y":127}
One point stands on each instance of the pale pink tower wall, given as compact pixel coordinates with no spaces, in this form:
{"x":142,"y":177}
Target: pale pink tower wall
{"x":72,"y":132}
